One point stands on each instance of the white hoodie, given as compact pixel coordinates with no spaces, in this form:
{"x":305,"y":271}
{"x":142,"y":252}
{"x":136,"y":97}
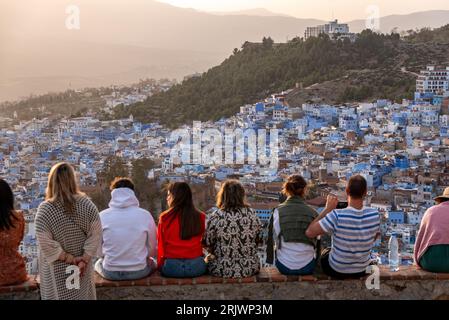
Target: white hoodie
{"x":129,"y":233}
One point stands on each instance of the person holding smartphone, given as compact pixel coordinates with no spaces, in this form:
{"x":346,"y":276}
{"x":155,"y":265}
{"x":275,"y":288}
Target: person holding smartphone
{"x":354,"y":230}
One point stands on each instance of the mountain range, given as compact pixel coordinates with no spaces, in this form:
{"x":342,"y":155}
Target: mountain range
{"x":318,"y":70}
{"x":121,"y":41}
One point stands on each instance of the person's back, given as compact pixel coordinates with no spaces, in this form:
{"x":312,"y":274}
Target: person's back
{"x":353,"y":229}
{"x":12,"y":224}
{"x":232,"y":237}
{"x":290,"y":221}
{"x":295,"y":254}
{"x":180,"y":233}
{"x":129,"y":233}
{"x":232,"y":234}
{"x":353,"y":234}
{"x":68,"y":232}
{"x":129,"y":236}
{"x":171,"y":245}
{"x":432,"y":242}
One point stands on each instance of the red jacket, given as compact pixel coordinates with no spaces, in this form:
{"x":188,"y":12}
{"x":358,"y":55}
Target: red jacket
{"x":171,"y":246}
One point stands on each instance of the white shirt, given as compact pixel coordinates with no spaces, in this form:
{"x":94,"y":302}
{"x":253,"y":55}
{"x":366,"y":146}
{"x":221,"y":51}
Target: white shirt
{"x":129,"y":233}
{"x":293,"y":255}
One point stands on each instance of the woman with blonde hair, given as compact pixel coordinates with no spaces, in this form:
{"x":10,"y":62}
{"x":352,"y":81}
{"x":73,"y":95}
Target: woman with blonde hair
{"x":232,"y":234}
{"x":68,"y":231}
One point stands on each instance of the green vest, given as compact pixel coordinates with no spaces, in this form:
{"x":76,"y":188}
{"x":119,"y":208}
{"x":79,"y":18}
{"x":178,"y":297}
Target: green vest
{"x":295,"y":217}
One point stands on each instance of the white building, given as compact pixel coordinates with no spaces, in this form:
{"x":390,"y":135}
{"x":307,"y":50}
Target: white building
{"x":433,"y":80}
{"x":414,"y":217}
{"x":333,"y":29}
{"x":280,"y":115}
{"x":429,"y":119}
{"x":444,"y":120}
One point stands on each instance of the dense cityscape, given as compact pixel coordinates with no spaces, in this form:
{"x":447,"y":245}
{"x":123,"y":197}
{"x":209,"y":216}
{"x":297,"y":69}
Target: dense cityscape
{"x":400,"y":148}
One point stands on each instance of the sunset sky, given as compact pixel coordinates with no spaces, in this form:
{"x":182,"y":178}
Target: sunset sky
{"x":320,"y":9}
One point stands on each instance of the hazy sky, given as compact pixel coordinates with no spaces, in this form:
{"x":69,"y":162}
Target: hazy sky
{"x":320,"y":9}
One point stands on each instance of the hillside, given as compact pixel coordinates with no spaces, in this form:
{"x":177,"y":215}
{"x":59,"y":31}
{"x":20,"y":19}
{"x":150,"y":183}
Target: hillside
{"x":121,"y":41}
{"x":375,"y":66}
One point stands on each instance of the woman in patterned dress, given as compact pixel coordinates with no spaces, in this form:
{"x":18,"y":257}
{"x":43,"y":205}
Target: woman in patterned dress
{"x":12,"y":224}
{"x":232,"y":234}
{"x":68,"y":231}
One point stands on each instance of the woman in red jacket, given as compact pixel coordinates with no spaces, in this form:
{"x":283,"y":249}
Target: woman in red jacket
{"x":180,"y":233}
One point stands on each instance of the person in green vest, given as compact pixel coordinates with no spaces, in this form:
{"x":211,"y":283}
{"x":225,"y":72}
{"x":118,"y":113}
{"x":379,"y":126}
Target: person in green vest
{"x":295,"y":252}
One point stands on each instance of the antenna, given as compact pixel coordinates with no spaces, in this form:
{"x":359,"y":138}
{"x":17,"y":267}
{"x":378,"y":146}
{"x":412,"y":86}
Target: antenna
{"x":331,"y":6}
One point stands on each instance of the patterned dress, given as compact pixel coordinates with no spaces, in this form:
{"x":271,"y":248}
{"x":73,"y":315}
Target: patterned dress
{"x":231,"y":237}
{"x":75,"y":233}
{"x":12,"y":264}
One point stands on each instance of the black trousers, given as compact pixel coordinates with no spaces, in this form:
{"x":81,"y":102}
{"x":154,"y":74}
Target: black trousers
{"x":327,"y":269}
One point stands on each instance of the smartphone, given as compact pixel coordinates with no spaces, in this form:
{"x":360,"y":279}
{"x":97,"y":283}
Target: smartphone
{"x":342,"y":205}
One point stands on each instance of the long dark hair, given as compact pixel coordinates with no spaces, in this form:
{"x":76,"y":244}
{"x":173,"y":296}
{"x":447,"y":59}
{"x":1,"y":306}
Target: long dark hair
{"x":6,"y":206}
{"x":182,"y":205}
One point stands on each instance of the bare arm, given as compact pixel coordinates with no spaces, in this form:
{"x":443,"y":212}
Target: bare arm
{"x":314,"y":230}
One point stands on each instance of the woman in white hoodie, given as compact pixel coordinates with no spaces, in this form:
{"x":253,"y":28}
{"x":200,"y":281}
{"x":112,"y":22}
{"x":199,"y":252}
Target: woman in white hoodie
{"x":129,"y":236}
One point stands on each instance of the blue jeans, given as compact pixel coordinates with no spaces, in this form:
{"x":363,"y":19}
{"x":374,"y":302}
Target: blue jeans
{"x":184,"y":268}
{"x":124,"y":275}
{"x":307,"y":270}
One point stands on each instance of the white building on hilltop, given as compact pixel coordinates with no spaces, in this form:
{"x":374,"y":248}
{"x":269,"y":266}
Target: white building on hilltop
{"x":433,"y":80}
{"x":335,"y":30}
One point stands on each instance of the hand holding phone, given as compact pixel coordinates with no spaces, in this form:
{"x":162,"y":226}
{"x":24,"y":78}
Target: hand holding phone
{"x":342,"y":204}
{"x":331,"y":202}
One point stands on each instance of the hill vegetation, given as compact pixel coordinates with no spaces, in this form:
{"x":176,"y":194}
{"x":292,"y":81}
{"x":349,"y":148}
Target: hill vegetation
{"x":374,"y":66}
{"x":427,"y":35}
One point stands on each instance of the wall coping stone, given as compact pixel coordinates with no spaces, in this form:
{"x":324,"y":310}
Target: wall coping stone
{"x":266,"y":275}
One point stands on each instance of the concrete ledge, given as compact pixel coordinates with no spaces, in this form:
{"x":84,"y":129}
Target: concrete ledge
{"x":408,"y":283}
{"x":28,"y":290}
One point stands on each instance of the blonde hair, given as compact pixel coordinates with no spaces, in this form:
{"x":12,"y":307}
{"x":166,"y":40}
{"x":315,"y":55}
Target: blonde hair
{"x":231,"y":196}
{"x":62,"y":186}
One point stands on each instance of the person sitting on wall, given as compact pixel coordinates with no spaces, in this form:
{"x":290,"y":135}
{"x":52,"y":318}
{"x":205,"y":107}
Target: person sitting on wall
{"x":295,"y":254}
{"x":12,"y":226}
{"x":180,"y":233}
{"x":353,"y":229}
{"x":432,"y":242}
{"x":232,"y":234}
{"x":129,"y":236}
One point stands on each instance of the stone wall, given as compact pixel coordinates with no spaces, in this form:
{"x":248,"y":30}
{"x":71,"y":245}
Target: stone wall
{"x":409,"y":283}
